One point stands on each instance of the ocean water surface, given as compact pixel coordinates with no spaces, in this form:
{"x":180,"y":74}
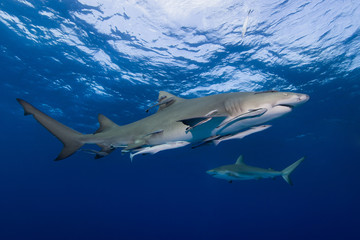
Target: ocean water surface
{"x":74,"y":59}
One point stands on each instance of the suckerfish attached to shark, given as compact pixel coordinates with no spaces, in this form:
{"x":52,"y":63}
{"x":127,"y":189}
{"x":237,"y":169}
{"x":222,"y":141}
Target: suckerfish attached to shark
{"x":158,"y":148}
{"x":241,"y":171}
{"x":241,"y":135}
{"x":177,"y":119}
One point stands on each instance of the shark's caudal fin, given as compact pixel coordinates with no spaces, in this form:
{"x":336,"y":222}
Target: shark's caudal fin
{"x":69,"y":137}
{"x":287,"y":171}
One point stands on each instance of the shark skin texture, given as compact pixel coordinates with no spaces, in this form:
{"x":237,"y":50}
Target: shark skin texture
{"x":177,"y":120}
{"x":242,"y":171}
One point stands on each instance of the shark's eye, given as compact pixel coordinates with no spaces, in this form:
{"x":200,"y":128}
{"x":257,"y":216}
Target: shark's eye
{"x":285,"y":94}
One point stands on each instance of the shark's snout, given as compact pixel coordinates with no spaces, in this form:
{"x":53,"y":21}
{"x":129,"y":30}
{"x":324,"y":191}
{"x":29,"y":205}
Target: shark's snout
{"x":301,"y":98}
{"x":293,"y":99}
{"x":304,"y":97}
{"x":211,"y":172}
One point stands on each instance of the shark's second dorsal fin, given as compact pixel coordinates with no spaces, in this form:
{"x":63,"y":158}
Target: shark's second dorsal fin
{"x":164,"y":96}
{"x":105,"y":124}
{"x":240,"y":160}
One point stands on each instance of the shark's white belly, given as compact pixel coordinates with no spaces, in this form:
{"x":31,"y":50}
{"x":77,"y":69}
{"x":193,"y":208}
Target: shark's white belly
{"x":272,"y":113}
{"x":229,"y":175}
{"x":177,"y":131}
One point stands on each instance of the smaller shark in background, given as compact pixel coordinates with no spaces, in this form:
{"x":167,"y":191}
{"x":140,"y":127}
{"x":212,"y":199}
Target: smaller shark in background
{"x":241,"y":171}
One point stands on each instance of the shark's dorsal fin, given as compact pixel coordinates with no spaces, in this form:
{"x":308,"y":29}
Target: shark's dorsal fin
{"x":240,"y":160}
{"x":105,"y":123}
{"x":164,"y":96}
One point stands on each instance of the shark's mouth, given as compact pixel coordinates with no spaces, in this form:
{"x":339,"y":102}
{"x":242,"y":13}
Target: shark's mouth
{"x":286,"y":105}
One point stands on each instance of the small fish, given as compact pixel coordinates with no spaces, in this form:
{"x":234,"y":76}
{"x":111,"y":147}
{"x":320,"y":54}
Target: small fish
{"x":158,"y":148}
{"x":244,"y":28}
{"x":162,"y":101}
{"x":98,"y":154}
{"x":241,"y":135}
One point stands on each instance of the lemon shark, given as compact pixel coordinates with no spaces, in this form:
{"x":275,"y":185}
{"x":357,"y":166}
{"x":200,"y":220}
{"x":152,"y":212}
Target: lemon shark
{"x":242,"y":171}
{"x":177,"y":119}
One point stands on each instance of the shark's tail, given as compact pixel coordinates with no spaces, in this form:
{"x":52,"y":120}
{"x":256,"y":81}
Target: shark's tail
{"x":69,"y":137}
{"x":287,"y":171}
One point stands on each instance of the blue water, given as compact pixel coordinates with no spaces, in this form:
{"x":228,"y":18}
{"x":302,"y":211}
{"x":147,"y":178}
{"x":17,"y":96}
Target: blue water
{"x":75,"y":59}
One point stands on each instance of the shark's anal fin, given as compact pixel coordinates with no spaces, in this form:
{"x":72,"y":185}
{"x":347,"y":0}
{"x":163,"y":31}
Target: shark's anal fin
{"x":250,"y":114}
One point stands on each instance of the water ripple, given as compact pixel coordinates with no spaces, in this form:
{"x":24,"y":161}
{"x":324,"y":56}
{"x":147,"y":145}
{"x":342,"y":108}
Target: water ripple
{"x":187,"y":47}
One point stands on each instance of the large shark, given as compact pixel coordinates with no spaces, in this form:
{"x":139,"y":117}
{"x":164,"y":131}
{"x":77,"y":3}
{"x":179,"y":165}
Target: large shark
{"x":177,"y":119}
{"x":241,"y":171}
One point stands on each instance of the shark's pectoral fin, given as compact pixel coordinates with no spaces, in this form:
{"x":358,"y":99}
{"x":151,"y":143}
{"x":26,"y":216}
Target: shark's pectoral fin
{"x":250,"y":114}
{"x":197,"y":121}
{"x":194,"y":122}
{"x":231,"y":174}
